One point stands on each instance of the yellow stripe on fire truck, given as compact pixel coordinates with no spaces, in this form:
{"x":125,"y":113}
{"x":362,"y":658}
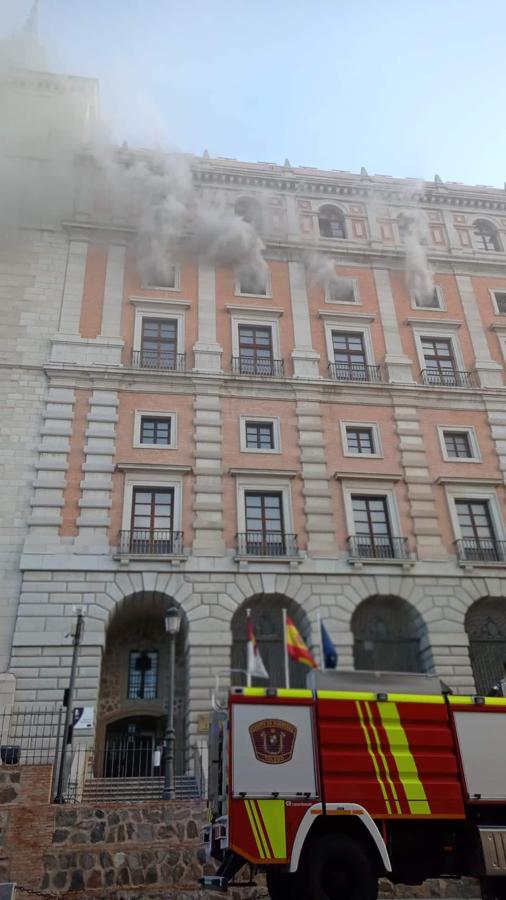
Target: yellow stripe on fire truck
{"x":373,"y":757}
{"x":267,"y":820}
{"x":404,"y":759}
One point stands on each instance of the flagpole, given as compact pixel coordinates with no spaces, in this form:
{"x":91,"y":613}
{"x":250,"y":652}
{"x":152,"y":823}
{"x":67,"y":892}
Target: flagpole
{"x":320,"y":639}
{"x":285,"y":650}
{"x":248,"y":676}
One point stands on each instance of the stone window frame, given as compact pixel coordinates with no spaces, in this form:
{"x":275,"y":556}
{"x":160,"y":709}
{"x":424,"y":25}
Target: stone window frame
{"x":441,"y":300}
{"x":357,"y":300}
{"x":493,"y":292}
{"x":371,"y":488}
{"x":268,"y":287}
{"x":150,"y":308}
{"x":487,"y":495}
{"x":473,"y":443}
{"x":139,"y":414}
{"x":277,"y":484}
{"x":142,"y":479}
{"x":438,"y":329}
{"x":149,"y":286}
{"x":263,"y":318}
{"x":276,"y":431}
{"x":348,"y":324}
{"x":378,"y":453}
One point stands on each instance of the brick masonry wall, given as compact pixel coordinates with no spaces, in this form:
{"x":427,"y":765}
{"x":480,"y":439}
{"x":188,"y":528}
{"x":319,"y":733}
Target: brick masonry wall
{"x":127,"y":851}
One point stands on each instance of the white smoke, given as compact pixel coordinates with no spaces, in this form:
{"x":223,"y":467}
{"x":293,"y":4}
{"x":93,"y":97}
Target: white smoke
{"x":413,"y":227}
{"x":321,"y":270}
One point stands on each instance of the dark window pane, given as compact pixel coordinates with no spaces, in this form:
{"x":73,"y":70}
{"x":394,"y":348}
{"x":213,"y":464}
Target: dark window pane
{"x":457,"y":444}
{"x":155,"y":431}
{"x":360,"y":440}
{"x":500,"y":299}
{"x":143,"y":674}
{"x":260,"y":435}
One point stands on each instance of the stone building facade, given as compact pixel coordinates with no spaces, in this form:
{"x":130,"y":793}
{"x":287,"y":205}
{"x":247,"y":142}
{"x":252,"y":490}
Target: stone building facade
{"x":331,"y":446}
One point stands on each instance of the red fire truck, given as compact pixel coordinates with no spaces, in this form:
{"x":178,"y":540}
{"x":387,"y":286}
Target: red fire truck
{"x":364,"y":775}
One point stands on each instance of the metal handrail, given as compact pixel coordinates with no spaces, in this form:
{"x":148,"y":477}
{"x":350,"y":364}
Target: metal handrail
{"x":355,"y":372}
{"x":143,"y":541}
{"x":367,"y":546}
{"x":158,"y":360}
{"x":244,"y":365}
{"x":267,"y":543}
{"x":450,"y":378}
{"x":481,"y":550}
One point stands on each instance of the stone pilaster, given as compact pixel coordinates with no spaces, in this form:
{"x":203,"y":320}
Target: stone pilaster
{"x":489,"y":372}
{"x":207,"y":351}
{"x":96,"y":486}
{"x":398,"y":365}
{"x":419,"y":488}
{"x":305,"y":359}
{"x":320,"y":523}
{"x":113,"y":292}
{"x":208,"y":488}
{"x":496,"y":414}
{"x":49,"y":484}
{"x":73,"y":287}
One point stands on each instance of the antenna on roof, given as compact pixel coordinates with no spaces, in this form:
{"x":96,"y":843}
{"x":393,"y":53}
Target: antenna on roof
{"x":437,"y":179}
{"x":364,"y":173}
{"x":205,"y":154}
{"x":287,"y":164}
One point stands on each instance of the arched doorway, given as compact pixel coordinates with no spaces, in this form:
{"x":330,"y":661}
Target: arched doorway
{"x":267,"y":619}
{"x":387,"y":634}
{"x":486,"y":628}
{"x":134,"y":686}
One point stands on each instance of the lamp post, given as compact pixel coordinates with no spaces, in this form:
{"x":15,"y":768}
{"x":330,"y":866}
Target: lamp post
{"x":77,"y":632}
{"x":172,"y":623}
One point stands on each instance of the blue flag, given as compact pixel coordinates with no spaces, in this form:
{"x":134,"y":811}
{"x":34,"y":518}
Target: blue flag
{"x":329,"y":650}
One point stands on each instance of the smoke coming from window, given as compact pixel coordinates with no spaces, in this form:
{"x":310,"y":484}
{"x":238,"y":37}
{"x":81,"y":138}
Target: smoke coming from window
{"x":321,"y":270}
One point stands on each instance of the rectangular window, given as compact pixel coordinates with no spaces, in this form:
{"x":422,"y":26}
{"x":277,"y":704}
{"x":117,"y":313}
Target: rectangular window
{"x":428,"y":301}
{"x":255,"y":350}
{"x":152,"y":522}
{"x":500,"y":302}
{"x":155,"y":431}
{"x":439,"y":360}
{"x":142,"y":675}
{"x":372,"y":526}
{"x":163,"y":277}
{"x":265,"y":532}
{"x":349,"y":355}
{"x":250,"y":281}
{"x":477,"y":533}
{"x":158,"y":344}
{"x":360,"y":440}
{"x":458,"y":445}
{"x":259,"y":435}
{"x":341,"y":290}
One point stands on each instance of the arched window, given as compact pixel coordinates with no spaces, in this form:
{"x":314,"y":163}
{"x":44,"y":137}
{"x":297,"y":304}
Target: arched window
{"x":267,"y":620}
{"x":331,"y":222}
{"x":486,"y":629}
{"x":249,"y":209}
{"x":406,"y":225}
{"x":486,"y":234}
{"x":387,"y":634}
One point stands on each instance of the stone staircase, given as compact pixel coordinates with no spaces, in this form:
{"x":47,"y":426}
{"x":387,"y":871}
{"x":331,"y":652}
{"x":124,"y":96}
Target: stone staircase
{"x":118,"y":790}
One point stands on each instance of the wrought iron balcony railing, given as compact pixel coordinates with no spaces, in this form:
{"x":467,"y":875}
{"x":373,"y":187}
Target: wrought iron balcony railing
{"x":243,"y":365}
{"x":152,"y":359}
{"x":366,"y":546}
{"x":363,"y":373}
{"x":143,"y":542}
{"x":272,"y":543}
{"x":481,"y":550}
{"x":450,"y":378}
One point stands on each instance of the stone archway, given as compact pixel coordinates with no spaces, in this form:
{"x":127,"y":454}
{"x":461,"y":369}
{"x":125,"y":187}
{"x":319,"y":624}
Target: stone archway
{"x":388,"y":635}
{"x":267,"y":618}
{"x":486,"y":628}
{"x":133,"y":692}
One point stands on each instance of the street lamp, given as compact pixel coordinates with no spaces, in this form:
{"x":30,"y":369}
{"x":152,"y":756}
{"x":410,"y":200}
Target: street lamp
{"x":172,"y":623}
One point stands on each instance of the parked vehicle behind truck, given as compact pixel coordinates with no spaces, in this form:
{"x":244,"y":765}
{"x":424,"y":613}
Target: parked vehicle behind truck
{"x":360,"y":776}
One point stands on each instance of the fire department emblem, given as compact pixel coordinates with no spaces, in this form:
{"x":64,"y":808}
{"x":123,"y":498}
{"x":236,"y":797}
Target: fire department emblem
{"x":273,"y":741}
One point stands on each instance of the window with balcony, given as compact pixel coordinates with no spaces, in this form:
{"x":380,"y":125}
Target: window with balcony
{"x":152,"y":523}
{"x":256,"y":356}
{"x":486,"y":235}
{"x":331,"y":222}
{"x":478,"y":537}
{"x":350,"y":358}
{"x":158,"y":345}
{"x":440,"y":367}
{"x":264,"y":520}
{"x":143,"y":675}
{"x":373,"y":538}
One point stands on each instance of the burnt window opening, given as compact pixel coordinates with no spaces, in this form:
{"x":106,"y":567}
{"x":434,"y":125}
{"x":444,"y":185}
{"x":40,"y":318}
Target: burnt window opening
{"x":500,"y":300}
{"x":331,"y":222}
{"x":249,"y":209}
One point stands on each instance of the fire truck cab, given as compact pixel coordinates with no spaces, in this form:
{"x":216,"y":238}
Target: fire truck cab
{"x":362,"y":775}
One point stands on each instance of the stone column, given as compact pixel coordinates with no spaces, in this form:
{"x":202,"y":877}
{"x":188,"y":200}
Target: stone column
{"x":320,"y":520}
{"x":99,"y":450}
{"x":208,"y":488}
{"x":489,"y":372}
{"x":422,"y":505}
{"x":399,"y":366}
{"x":207,"y":351}
{"x":113,"y":292}
{"x":49,"y":484}
{"x":70,"y":314}
{"x":305,"y":359}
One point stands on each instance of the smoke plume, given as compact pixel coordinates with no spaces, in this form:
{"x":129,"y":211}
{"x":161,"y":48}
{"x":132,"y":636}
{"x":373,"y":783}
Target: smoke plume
{"x":321,"y":270}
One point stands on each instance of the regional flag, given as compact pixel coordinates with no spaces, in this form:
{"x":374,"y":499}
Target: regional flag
{"x":329,"y":651}
{"x":296,"y":646}
{"x":255,"y":665}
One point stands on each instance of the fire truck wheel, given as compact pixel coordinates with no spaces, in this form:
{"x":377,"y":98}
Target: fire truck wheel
{"x":493,"y":888}
{"x":336,"y":866}
{"x":280,"y":885}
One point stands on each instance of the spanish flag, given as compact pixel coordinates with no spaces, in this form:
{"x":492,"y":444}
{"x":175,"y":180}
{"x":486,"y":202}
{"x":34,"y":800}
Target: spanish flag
{"x":296,"y":646}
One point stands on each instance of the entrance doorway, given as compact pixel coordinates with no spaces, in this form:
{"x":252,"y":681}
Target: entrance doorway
{"x":133,"y":748}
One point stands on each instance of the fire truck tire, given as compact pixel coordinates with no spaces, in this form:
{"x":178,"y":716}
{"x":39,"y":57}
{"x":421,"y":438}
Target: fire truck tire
{"x":493,"y":888}
{"x":281,"y":886}
{"x":336,"y":866}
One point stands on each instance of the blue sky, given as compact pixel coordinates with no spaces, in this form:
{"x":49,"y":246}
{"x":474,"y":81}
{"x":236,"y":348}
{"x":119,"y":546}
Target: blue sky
{"x":402,"y":87}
